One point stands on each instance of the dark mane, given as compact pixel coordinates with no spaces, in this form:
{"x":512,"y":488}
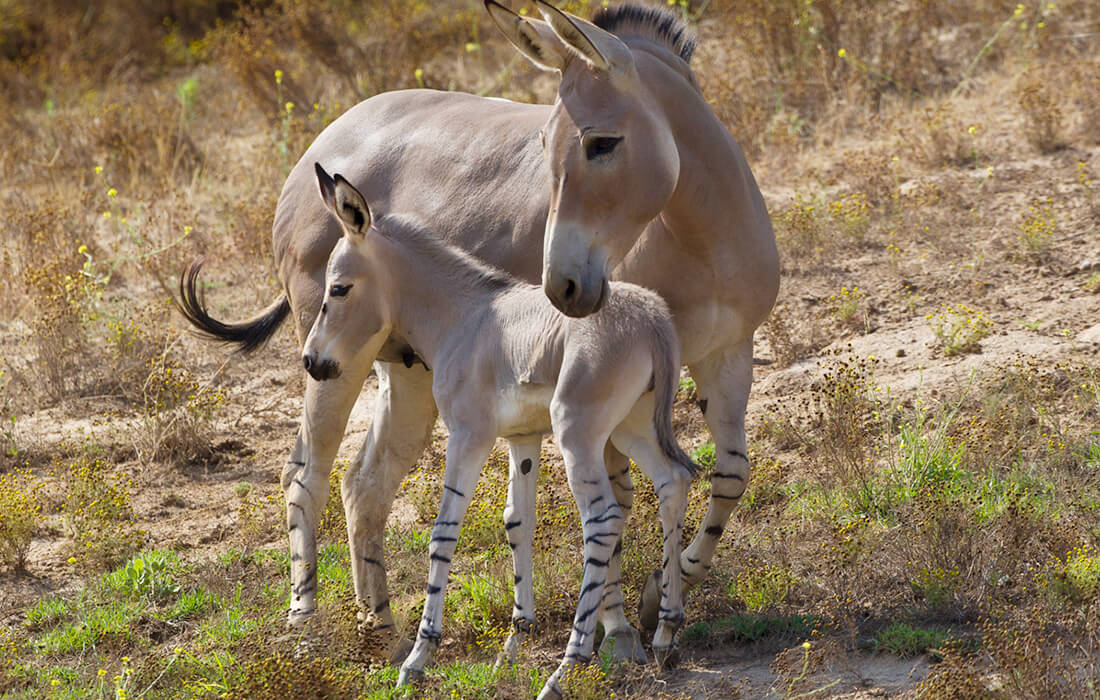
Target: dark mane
{"x":652,"y":22}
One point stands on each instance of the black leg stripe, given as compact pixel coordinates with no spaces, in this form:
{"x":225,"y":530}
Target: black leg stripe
{"x":440,"y":557}
{"x":296,"y":463}
{"x":735,"y":453}
{"x":720,"y":475}
{"x":591,"y":587}
{"x":382,"y":606}
{"x":432,"y":590}
{"x":595,"y":562}
{"x":369,"y":560}
{"x":454,"y":491}
{"x":581,"y":617}
{"x":714,"y":530}
{"x":446,"y":522}
{"x":512,"y":524}
{"x":303,"y":486}
{"x":442,"y":538}
{"x":296,"y":505}
{"x":607,"y":515}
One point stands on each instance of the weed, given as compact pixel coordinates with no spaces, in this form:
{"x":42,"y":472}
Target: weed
{"x":704,"y":455}
{"x":850,"y":307}
{"x":148,"y":575}
{"x":333,"y":526}
{"x":936,"y":586}
{"x":1076,"y":578}
{"x":959,"y":329}
{"x":762,"y":586}
{"x":98,"y":514}
{"x":1043,"y":119}
{"x":1038,"y":227}
{"x":20,"y":516}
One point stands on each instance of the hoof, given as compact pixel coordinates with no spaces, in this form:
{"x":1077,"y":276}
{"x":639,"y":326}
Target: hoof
{"x":666,"y":657}
{"x":550,"y":691}
{"x":624,"y":645}
{"x":400,"y":649}
{"x":409,"y":676}
{"x":649,"y":607}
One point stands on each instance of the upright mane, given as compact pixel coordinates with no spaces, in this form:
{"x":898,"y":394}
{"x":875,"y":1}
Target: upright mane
{"x":653,"y":22}
{"x":444,"y":258}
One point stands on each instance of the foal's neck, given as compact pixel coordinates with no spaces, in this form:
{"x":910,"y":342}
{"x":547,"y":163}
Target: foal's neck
{"x":435,"y":286}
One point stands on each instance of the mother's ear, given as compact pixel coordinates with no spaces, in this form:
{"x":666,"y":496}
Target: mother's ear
{"x":343,"y":200}
{"x":534,"y":38}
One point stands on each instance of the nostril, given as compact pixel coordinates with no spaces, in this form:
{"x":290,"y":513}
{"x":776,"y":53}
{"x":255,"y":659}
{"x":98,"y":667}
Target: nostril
{"x":570,"y":289}
{"x":307,"y":362}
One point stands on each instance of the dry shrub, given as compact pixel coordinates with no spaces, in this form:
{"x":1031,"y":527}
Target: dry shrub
{"x":937,"y":137}
{"x":1044,"y":122}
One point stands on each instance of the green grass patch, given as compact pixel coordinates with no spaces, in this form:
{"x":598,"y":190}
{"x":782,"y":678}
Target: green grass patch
{"x":746,"y":628}
{"x":906,"y":641}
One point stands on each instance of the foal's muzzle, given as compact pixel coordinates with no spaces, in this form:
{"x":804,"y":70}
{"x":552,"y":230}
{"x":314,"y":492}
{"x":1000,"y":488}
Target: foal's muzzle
{"x":321,"y":369}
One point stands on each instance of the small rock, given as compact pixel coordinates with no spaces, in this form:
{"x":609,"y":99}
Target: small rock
{"x":1086,"y":265}
{"x":1089,"y":335}
{"x":900,"y":352}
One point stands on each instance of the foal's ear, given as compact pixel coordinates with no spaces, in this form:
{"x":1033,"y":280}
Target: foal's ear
{"x":351,"y":207}
{"x":343,"y":200}
{"x":534,"y":38}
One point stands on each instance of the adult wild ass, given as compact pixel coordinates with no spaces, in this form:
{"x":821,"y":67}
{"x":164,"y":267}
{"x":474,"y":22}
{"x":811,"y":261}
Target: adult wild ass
{"x":628,"y":175}
{"x":506,"y":363}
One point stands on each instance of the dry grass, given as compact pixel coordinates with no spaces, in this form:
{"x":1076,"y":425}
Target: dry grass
{"x":958,"y":171}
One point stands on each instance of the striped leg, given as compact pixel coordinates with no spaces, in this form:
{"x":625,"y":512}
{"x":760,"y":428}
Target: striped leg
{"x":466,"y":454}
{"x":602,"y":526}
{"x":305,"y":480}
{"x":519,"y":525}
{"x":637,"y":437}
{"x":621,"y":640}
{"x":723,"y":381}
{"x":404,"y":414}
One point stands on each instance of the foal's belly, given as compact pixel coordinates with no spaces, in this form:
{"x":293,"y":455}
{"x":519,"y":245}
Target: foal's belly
{"x":524,"y":409}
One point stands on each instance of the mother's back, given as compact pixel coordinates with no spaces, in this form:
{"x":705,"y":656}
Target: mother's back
{"x":469,"y":167}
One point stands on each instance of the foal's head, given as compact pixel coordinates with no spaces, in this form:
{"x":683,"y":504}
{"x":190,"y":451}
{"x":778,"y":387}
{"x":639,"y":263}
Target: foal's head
{"x":351,"y":326}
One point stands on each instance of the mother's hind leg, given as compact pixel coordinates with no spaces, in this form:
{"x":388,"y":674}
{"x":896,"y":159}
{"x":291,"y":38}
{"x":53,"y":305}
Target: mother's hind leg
{"x":305,"y":480}
{"x":404,"y":414}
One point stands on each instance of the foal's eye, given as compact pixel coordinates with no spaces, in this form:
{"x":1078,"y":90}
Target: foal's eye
{"x":601,"y":146}
{"x":339,"y":290}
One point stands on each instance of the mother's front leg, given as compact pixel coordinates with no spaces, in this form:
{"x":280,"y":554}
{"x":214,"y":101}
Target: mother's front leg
{"x":723,"y":380}
{"x":305,"y":480}
{"x":404,"y":415}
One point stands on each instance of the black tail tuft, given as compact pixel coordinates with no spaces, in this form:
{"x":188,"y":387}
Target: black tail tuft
{"x":248,"y":336}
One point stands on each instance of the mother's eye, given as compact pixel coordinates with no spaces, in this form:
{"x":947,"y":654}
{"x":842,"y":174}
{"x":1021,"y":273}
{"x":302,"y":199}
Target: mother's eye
{"x":339,"y":290}
{"x":601,"y":146}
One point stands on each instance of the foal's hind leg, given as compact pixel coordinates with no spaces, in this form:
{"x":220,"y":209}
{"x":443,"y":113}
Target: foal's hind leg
{"x":637,"y":437}
{"x":305,"y":480}
{"x":582,"y":442}
{"x":404,"y":414}
{"x":621,"y":640}
{"x":519,"y":526}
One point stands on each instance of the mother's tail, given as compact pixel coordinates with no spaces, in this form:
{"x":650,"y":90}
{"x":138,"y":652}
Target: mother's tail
{"x":248,"y":336}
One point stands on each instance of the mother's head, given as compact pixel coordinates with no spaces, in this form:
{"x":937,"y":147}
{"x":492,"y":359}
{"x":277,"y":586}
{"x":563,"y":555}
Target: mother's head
{"x":612,"y":157}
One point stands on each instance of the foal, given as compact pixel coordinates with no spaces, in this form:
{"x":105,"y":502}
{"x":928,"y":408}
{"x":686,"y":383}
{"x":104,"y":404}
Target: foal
{"x":507,"y":364}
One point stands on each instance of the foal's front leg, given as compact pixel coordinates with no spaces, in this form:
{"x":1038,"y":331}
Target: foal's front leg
{"x":466,"y":453}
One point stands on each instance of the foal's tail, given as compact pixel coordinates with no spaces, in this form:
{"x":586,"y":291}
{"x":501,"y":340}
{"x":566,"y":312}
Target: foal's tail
{"x":248,"y":335}
{"x":666,"y":380}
